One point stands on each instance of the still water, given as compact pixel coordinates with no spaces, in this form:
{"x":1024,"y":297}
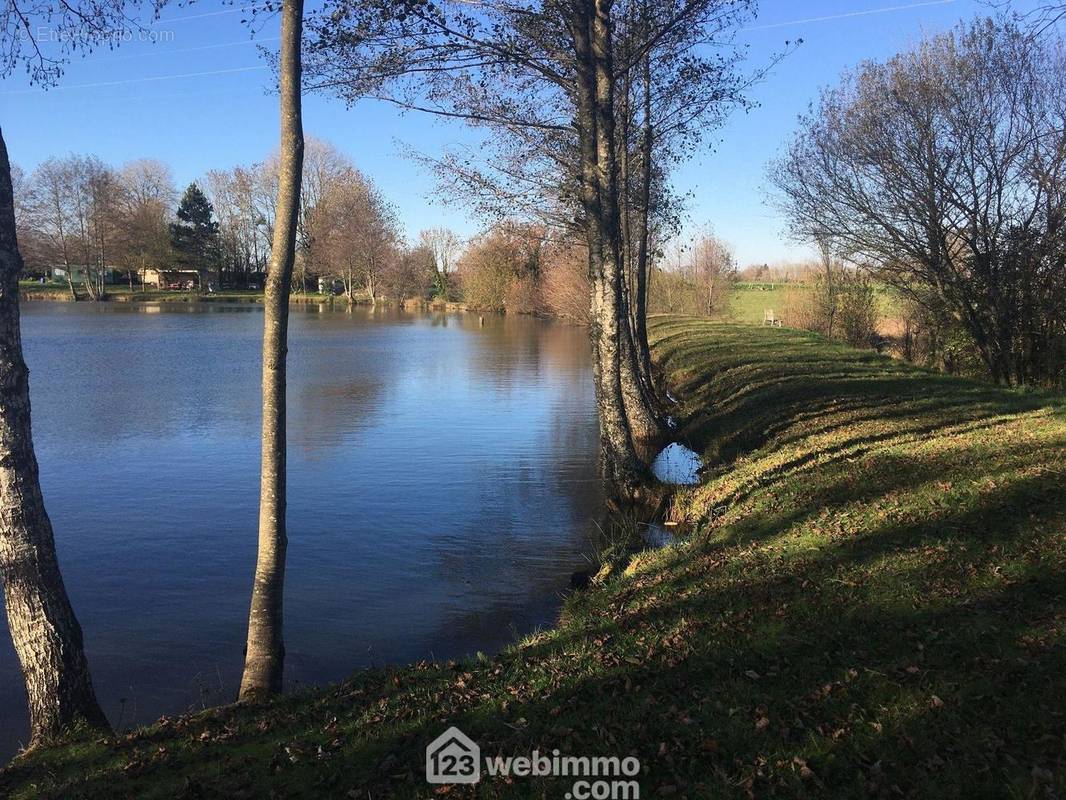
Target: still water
{"x":442,"y":489}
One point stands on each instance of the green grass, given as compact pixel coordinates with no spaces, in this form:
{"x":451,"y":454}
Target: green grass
{"x":748,"y":301}
{"x":871,"y":603}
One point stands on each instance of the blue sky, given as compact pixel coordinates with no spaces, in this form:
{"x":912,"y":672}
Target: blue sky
{"x":153,"y":100}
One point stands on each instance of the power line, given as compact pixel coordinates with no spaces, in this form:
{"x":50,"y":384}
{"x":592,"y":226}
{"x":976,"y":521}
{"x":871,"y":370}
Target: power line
{"x":159,"y":52}
{"x":849,"y":14}
{"x":142,"y":80}
{"x":206,"y":14}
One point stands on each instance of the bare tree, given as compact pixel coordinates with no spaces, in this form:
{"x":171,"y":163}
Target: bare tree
{"x":673,"y":94}
{"x":264,"y":659}
{"x":942,"y":171}
{"x":445,"y":246}
{"x":75,"y":209}
{"x":49,"y":216}
{"x":695,"y":279}
{"x":412,"y":274}
{"x":102,"y":191}
{"x":147,"y":197}
{"x":541,"y":77}
{"x":324,"y":166}
{"x":354,"y":232}
{"x":243,"y":228}
{"x":713,"y":271}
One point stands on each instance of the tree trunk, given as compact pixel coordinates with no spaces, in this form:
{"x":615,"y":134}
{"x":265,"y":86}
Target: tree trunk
{"x":644,"y":423}
{"x":43,"y":627}
{"x":640,"y":300}
{"x":265,"y":653}
{"x":591,"y":30}
{"x":90,"y":284}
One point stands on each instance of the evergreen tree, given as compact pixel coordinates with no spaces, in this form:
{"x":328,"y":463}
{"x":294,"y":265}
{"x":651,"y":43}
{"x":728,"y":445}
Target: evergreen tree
{"x":195,"y":236}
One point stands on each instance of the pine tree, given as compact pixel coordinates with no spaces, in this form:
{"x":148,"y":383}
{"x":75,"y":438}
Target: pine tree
{"x":195,"y":236}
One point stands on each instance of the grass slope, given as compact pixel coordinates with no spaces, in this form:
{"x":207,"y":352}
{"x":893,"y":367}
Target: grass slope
{"x":872,"y":604}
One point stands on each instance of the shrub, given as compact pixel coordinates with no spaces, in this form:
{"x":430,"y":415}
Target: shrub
{"x":839,"y":304}
{"x":565,"y":282}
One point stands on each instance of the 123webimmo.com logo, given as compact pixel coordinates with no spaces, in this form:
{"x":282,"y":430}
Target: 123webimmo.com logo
{"x":453,"y":757}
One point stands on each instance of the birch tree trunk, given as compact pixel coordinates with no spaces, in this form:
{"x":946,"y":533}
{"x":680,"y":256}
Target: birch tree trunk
{"x":640,"y":291}
{"x":644,"y":424}
{"x":43,"y":627}
{"x":266,"y":651}
{"x":591,"y":31}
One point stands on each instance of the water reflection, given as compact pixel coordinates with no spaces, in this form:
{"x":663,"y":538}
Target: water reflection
{"x":442,"y":486}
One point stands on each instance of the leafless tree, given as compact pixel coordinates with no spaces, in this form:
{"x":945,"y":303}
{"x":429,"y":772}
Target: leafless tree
{"x":48,"y":214}
{"x":324,"y":166}
{"x":243,"y":230}
{"x":697,"y":278}
{"x":713,"y":271}
{"x":943,"y":171}
{"x":146,"y":198}
{"x":445,"y":246}
{"x":354,"y":233}
{"x":541,"y":77}
{"x":411,"y":274}
{"x":75,"y":209}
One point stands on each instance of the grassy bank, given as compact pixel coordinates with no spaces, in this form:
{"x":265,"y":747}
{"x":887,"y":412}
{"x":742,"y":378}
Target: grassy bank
{"x":872,"y":604}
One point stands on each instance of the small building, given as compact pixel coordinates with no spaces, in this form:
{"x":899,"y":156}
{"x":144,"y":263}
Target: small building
{"x":180,"y":278}
{"x":78,"y":276}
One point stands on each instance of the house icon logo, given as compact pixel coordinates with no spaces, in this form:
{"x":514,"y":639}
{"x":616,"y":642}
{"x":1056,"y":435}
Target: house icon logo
{"x":453,"y":757}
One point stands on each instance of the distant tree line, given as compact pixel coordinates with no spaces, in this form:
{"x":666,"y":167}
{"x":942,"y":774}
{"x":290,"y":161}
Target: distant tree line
{"x":84,"y":216}
{"x":89,"y":219}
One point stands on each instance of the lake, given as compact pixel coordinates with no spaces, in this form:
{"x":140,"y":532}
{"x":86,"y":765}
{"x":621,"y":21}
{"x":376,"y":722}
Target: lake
{"x":442,"y":489}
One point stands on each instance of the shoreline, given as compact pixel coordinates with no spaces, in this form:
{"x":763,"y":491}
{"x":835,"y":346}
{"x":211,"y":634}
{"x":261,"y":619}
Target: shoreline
{"x":235,"y":297}
{"x":858,"y":591}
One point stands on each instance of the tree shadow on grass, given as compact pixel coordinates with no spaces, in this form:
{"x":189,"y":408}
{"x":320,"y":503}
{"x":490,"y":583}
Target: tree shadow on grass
{"x":883,"y":662}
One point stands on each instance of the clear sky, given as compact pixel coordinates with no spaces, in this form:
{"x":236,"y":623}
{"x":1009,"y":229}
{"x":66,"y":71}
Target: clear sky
{"x":199,"y":98}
